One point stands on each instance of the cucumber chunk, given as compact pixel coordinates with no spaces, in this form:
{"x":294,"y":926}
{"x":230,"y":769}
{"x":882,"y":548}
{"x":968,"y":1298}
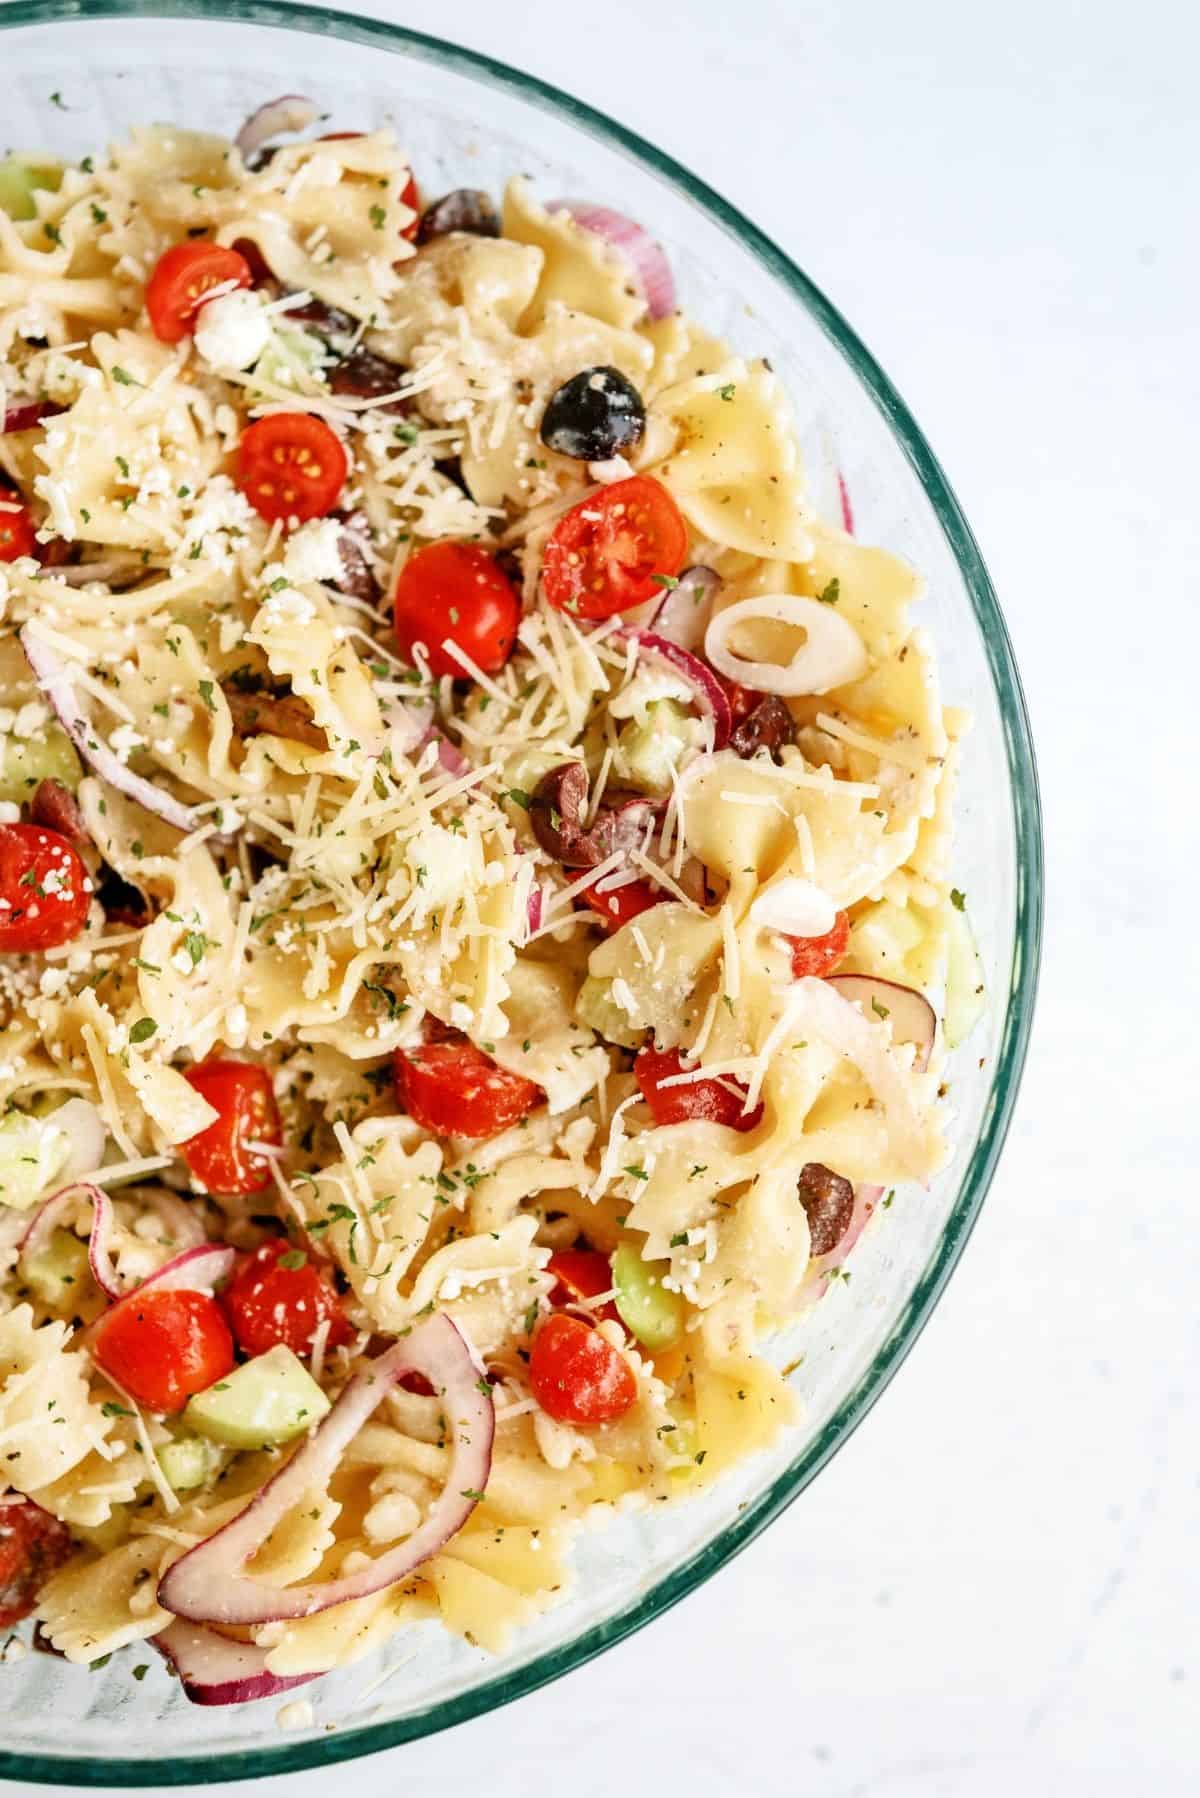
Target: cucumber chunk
{"x":33,"y":1151}
{"x":596,"y":1007}
{"x":59,"y":1271}
{"x":265,"y":1401}
{"x":649,"y":748}
{"x":643,"y":1303}
{"x":19,"y":182}
{"x":24,"y":761}
{"x":966,"y":996}
{"x":186,"y":1463}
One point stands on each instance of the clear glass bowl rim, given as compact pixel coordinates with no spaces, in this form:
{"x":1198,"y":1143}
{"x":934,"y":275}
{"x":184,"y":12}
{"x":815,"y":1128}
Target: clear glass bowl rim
{"x":1023,"y":789}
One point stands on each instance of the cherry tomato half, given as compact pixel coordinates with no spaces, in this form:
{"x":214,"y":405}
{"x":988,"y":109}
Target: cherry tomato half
{"x":576,"y":1375}
{"x":278,"y":1295}
{"x":606,"y":554}
{"x":820,"y":955}
{"x":183,"y":276}
{"x":163,"y":1345}
{"x":456,"y":592}
{"x":582,"y":1274}
{"x":45,"y":890}
{"x":32,"y":1545}
{"x":715,"y":1100}
{"x":17,"y":531}
{"x":219,"y":1156}
{"x":622,"y":903}
{"x":454,"y":1089}
{"x":291,"y":465}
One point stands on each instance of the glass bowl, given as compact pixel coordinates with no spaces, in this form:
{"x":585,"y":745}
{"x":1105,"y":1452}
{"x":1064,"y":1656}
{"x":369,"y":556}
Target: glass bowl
{"x":80,"y":72}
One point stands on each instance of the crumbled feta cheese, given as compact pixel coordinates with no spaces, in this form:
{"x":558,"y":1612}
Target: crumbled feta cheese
{"x":232,"y":331}
{"x":312,"y":553}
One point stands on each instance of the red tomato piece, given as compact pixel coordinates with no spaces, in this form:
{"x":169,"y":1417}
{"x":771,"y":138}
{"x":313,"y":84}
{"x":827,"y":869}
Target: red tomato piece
{"x":607,"y":553}
{"x":17,"y":531}
{"x":454,"y":1089}
{"x":220,"y":1156}
{"x":278,"y":1295}
{"x":291,"y":465}
{"x":161,"y":1346}
{"x":820,"y":955}
{"x":32,"y":1545}
{"x":577,"y":1376}
{"x":714,"y":1100}
{"x":622,"y":903}
{"x":45,"y":890}
{"x":183,"y":277}
{"x":582,"y":1274}
{"x":456,"y":592}
{"x":742,"y":700}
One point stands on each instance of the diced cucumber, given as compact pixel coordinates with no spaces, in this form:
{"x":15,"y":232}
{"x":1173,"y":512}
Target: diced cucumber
{"x":32,"y":1152}
{"x":24,"y":761}
{"x":268,"y":1400}
{"x":596,"y":1007}
{"x":186,"y":1463}
{"x":20,"y":180}
{"x":643,"y":1303}
{"x":649,"y":748}
{"x":287,"y":348}
{"x":59,"y":1270}
{"x":965,"y":992}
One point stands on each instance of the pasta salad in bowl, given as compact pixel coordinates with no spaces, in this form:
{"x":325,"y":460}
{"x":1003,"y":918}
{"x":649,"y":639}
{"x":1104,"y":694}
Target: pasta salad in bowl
{"x":481,"y":936}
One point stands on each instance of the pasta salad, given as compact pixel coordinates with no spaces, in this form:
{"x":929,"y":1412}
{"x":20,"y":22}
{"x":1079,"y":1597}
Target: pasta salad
{"x":477,"y":937}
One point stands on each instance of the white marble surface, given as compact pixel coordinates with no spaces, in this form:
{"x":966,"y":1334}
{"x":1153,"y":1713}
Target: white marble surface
{"x":994,"y":1588}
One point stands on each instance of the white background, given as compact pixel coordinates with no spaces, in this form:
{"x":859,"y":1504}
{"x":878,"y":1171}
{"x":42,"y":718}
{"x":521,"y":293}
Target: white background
{"x":994,"y":1589}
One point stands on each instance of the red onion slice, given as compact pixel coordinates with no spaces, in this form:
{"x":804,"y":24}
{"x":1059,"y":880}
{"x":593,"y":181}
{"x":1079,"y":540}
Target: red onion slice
{"x":207,"y":1584}
{"x":53,"y":676}
{"x":911,"y":1016}
{"x":685,"y":610}
{"x":26,"y":415}
{"x":710,"y":694}
{"x":56,"y":1210}
{"x":212,"y":1669}
{"x":844,"y":502}
{"x":647,"y":258}
{"x":290,"y":112}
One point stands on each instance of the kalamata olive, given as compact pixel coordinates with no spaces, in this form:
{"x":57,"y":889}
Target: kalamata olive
{"x":769,"y":726}
{"x":329,"y":322}
{"x":362,"y":375}
{"x":358,"y":575}
{"x":265,"y":714}
{"x":828,"y":1200}
{"x":558,"y":807}
{"x":122,"y":902}
{"x":594,"y":415}
{"x":55,"y":807}
{"x":466,"y":209}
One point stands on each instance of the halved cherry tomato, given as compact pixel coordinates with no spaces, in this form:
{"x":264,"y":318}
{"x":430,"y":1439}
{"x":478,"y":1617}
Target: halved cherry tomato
{"x":32,"y":1545}
{"x":291,"y":465}
{"x":454,"y":1089}
{"x":163,"y":1345}
{"x":606,"y":554}
{"x":219,"y":1156}
{"x":456,"y":592}
{"x":183,"y":276}
{"x":17,"y":531}
{"x":576,"y":1375}
{"x":622,"y":903}
{"x":820,"y":955}
{"x":45,"y":890}
{"x":715,"y":1100}
{"x":581,"y":1274}
{"x":277,"y":1296}
{"x":742,"y":700}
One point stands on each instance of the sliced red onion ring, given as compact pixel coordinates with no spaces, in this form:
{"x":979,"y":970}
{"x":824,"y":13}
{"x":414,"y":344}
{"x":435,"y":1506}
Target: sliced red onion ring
{"x":212,"y":1669}
{"x":847,"y":508}
{"x":26,"y":415}
{"x":647,"y":258}
{"x":208,"y":1585}
{"x":54,"y":1213}
{"x":53,"y":676}
{"x":685,"y":610}
{"x":710,"y":694}
{"x":450,"y":756}
{"x":911,"y":1016}
{"x":290,"y":112}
